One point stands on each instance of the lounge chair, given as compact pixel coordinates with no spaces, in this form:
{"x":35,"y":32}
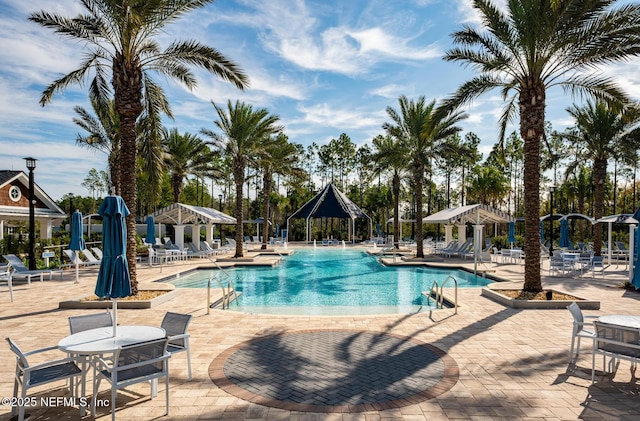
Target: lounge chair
{"x":73,"y":257}
{"x":21,"y":271}
{"x":93,"y":260}
{"x":97,"y":252}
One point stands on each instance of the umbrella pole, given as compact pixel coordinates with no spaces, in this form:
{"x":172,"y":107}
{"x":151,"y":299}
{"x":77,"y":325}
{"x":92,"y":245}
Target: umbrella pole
{"x":77,"y":272}
{"x":115,"y":316}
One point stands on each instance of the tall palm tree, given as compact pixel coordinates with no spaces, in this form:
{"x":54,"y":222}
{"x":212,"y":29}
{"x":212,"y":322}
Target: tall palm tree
{"x":533,"y":46}
{"x":422,"y":127}
{"x":119,"y":43}
{"x":488,"y":185}
{"x":600,"y":130}
{"x":390,"y":155}
{"x":184,"y":154}
{"x":244,"y":131}
{"x":277,"y":157}
{"x":103,"y":134}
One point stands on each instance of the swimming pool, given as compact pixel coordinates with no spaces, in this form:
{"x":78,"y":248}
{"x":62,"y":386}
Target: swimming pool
{"x":332,"y":281}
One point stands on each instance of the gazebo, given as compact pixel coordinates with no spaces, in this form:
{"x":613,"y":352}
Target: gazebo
{"x":179,"y":214}
{"x":330,"y":203}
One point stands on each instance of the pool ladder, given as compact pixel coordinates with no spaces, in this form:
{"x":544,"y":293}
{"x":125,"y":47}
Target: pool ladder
{"x":438,"y":295}
{"x":228,"y":294}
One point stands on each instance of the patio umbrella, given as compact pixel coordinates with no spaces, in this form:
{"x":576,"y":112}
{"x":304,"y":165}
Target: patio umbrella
{"x":113,"y":279}
{"x":512,"y":233}
{"x":151,"y":230}
{"x":636,"y":253}
{"x":541,"y":233}
{"x":564,"y":233}
{"x":77,"y":241}
{"x":377,"y":230}
{"x":277,"y":231}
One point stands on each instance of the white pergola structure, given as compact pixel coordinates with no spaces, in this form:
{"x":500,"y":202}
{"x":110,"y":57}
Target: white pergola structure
{"x":477,"y":214}
{"x":180,"y":214}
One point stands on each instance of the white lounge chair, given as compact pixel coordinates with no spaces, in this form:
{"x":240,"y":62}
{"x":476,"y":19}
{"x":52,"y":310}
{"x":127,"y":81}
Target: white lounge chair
{"x":5,"y":276}
{"x":93,"y":260}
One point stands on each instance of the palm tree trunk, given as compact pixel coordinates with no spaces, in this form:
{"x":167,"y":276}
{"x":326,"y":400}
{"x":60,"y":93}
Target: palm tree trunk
{"x":532,"y":104}
{"x":266,"y":183}
{"x":599,"y":176}
{"x":238,"y":175}
{"x":396,"y":209}
{"x":127,"y":84}
{"x":419,"y":174}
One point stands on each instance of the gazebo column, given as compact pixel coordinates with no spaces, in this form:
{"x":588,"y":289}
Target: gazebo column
{"x":209,"y":233}
{"x":448,"y":233}
{"x":462,"y":233}
{"x":477,"y":238}
{"x":2,"y":229}
{"x":195,"y":234}
{"x":179,"y":233}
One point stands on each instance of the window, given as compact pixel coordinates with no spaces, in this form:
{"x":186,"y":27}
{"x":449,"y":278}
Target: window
{"x":14,"y":193}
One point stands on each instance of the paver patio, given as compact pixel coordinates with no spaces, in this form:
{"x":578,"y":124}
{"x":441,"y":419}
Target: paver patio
{"x":513,"y":364}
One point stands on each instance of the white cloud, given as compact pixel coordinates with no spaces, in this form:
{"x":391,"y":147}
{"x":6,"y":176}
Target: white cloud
{"x":392,"y":91}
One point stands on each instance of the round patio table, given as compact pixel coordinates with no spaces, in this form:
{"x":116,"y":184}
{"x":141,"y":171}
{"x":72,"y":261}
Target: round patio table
{"x":624,"y":320}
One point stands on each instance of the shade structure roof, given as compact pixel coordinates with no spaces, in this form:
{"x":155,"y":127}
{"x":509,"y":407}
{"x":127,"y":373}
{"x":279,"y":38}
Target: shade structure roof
{"x":578,"y":215}
{"x":477,"y":213}
{"x":329,"y":203}
{"x":179,"y":214}
{"x":622,"y":218}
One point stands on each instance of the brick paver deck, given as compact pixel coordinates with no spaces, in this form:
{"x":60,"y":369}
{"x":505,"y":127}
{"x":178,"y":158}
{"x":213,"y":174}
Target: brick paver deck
{"x":513,"y":364}
{"x":334,"y":371}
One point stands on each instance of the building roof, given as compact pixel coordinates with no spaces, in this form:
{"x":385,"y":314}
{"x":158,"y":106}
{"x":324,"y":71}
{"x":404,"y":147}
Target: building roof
{"x":179,"y":213}
{"x":45,"y":207}
{"x":477,"y":213}
{"x":330,"y":203}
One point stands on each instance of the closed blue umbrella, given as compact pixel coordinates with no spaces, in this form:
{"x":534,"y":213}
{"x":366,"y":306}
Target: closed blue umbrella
{"x":113,"y":279}
{"x":636,"y":253}
{"x":564,"y":233}
{"x":541,"y":233}
{"x":277,"y":231}
{"x":377,"y":230}
{"x":151,"y":235}
{"x":151,"y":230}
{"x":77,"y":241}
{"x":512,"y":233}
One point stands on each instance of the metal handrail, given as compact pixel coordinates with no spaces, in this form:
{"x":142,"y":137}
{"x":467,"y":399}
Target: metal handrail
{"x":455,"y":303}
{"x":433,"y":291}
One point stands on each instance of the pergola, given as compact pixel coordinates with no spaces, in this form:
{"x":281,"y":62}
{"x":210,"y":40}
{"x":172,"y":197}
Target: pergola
{"x":180,"y":214}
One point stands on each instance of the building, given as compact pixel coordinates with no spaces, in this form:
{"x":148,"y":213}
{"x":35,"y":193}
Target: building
{"x":14,"y":204}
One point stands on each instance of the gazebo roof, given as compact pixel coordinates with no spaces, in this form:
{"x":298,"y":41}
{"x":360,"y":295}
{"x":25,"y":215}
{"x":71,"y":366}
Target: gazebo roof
{"x":329,"y":203}
{"x":179,"y":214}
{"x":469,"y":213}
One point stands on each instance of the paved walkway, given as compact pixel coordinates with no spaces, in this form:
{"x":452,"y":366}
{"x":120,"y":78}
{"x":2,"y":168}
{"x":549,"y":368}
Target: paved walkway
{"x":512,"y":364}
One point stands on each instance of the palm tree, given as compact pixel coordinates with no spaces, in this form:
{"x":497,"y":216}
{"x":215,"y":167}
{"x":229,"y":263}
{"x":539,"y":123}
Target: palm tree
{"x":184,"y":155}
{"x":277,"y":157}
{"x":421,"y":128}
{"x":599,"y":131}
{"x":118,"y":38}
{"x":103,"y":130}
{"x":488,"y":185}
{"x":390,"y":155}
{"x":533,"y":46}
{"x":244,"y":131}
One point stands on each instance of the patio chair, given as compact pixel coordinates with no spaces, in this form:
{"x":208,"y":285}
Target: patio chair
{"x":21,"y":271}
{"x":29,"y":376}
{"x":597,"y":262}
{"x":132,"y":364}
{"x":90,"y":321}
{"x":73,"y":257}
{"x":579,"y":331}
{"x":5,"y":276}
{"x":176,"y":324}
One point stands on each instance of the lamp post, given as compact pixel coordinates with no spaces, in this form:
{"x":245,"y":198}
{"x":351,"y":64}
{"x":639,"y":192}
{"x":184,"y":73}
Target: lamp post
{"x":220,"y":225}
{"x":551,"y":190}
{"x":70,"y":203}
{"x":31,"y":165}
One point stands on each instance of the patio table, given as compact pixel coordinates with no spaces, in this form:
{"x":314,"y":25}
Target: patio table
{"x":623,"y":320}
{"x":101,"y":341}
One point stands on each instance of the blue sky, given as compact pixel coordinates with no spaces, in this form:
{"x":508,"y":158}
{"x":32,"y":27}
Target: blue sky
{"x":325,"y":67}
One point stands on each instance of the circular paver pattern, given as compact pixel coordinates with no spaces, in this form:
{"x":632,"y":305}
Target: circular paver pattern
{"x":334,"y":371}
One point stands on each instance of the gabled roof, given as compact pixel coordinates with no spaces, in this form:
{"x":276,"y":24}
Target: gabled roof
{"x":46,"y":207}
{"x":469,"y":213}
{"x":329,"y":203}
{"x":179,"y":214}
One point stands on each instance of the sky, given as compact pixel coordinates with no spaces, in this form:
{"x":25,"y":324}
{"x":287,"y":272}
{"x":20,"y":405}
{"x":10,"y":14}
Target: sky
{"x":325,"y":67}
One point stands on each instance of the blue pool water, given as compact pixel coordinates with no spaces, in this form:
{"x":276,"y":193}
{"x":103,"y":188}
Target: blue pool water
{"x":332,"y":281}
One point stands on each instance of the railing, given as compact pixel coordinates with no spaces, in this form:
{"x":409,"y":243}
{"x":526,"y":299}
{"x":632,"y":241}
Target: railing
{"x":438,"y":294}
{"x":227,"y":293}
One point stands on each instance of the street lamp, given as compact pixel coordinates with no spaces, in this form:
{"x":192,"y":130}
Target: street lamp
{"x":551,"y":190}
{"x":70,"y":203}
{"x":31,"y":165}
